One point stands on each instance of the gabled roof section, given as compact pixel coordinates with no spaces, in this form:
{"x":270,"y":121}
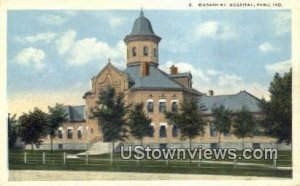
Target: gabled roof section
{"x":233,"y":102}
{"x":156,"y":78}
{"x":75,"y":113}
{"x":109,"y":65}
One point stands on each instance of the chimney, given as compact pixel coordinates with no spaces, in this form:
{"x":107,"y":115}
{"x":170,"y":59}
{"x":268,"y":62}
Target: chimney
{"x":210,"y":92}
{"x":173,"y":70}
{"x":144,"y":69}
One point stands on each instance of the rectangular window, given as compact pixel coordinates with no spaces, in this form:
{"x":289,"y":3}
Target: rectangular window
{"x":150,"y":106}
{"x":214,"y":145}
{"x":60,"y":134}
{"x":163,"y":131}
{"x":213,"y":131}
{"x":256,"y":145}
{"x":162,"y":107}
{"x":175,"y":130}
{"x":151,"y":131}
{"x":60,"y":146}
{"x":145,"y":50}
{"x":163,"y":146}
{"x":79,"y":134}
{"x":174,"y":106}
{"x":70,"y":134}
{"x":133,"y":51}
{"x":155,"y":52}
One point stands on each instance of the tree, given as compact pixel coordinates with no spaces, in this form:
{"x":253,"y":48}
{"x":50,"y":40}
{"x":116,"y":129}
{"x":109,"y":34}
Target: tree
{"x":57,"y":116}
{"x":110,"y":112}
{"x":188,"y":119}
{"x":139,"y":123}
{"x":244,"y":124}
{"x":222,"y":120}
{"x":277,"y":112}
{"x":12,"y":130}
{"x":33,"y":127}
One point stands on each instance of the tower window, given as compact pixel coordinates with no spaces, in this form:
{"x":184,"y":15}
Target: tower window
{"x":155,"y":52}
{"x":133,"y":51}
{"x":145,"y":51}
{"x":79,"y":134}
{"x":60,"y":134}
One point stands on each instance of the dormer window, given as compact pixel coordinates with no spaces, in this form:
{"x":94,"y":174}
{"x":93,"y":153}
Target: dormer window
{"x":133,"y":51}
{"x":145,"y":51}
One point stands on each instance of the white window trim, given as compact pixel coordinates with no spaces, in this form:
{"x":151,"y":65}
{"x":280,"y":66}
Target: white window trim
{"x":149,"y":100}
{"x":79,"y":128}
{"x":60,"y":128}
{"x":163,"y":124}
{"x":70,"y":128}
{"x":174,"y":100}
{"x":152,"y":124}
{"x":162,"y":100}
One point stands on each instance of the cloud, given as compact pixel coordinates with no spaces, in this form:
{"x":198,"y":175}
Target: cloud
{"x":280,"y":67}
{"x":219,"y":81}
{"x":214,"y":30}
{"x":52,"y":20}
{"x":44,"y":37}
{"x":31,"y":57}
{"x":282,"y":23}
{"x":86,"y":50}
{"x":116,"y":21}
{"x":65,"y":41}
{"x":267,"y":47}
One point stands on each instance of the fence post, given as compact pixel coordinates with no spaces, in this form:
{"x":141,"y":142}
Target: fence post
{"x":64,"y":158}
{"x":44,"y":157}
{"x":138,"y":162}
{"x":200,"y":161}
{"x":274,"y":164}
{"x":235,"y":163}
{"x":25,"y":157}
{"x":87,"y":158}
{"x":167,"y":162}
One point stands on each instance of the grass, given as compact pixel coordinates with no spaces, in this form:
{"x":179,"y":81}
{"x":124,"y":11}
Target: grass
{"x":102,"y":163}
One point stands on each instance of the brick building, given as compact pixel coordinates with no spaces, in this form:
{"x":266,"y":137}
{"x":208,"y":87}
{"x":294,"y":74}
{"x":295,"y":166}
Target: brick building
{"x":143,"y":81}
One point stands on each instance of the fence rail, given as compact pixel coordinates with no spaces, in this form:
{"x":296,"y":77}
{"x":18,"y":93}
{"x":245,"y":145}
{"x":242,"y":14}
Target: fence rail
{"x":70,"y":159}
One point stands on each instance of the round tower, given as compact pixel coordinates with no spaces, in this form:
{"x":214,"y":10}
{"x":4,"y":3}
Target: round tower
{"x":142,"y":43}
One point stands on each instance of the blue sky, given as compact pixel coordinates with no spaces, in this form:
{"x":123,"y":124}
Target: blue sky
{"x":53,"y":54}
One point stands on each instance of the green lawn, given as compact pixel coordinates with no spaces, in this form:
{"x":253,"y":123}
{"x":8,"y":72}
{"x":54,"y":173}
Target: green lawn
{"x":103,"y":163}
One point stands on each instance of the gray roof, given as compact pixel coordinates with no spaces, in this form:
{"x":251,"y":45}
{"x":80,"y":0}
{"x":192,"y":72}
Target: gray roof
{"x":233,"y":102}
{"x":142,"y":29}
{"x":185,"y":74}
{"x":75,"y":113}
{"x":142,"y":25}
{"x":156,"y":78}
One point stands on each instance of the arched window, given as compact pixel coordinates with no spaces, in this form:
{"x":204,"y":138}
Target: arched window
{"x":174,"y":106}
{"x":163,"y":131}
{"x":150,"y":106}
{"x":133,"y":51}
{"x":155,"y":52}
{"x":145,"y":51}
{"x":175,"y":130}
{"x":162,"y":106}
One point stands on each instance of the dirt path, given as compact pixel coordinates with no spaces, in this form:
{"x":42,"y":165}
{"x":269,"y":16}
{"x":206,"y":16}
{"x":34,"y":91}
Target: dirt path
{"x":28,"y":175}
